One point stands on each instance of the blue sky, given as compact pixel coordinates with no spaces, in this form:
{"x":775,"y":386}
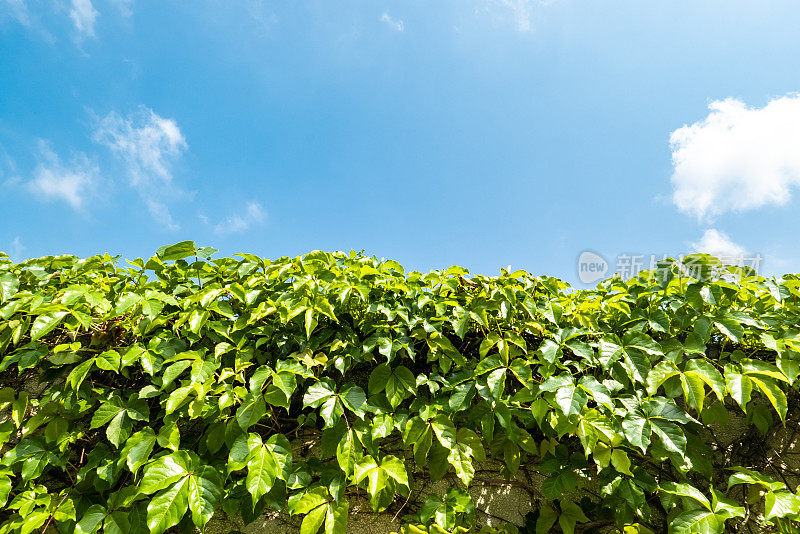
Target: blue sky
{"x":483,"y":133}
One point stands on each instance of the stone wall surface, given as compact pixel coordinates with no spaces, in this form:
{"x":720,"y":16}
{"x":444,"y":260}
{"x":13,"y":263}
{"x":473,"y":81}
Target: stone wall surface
{"x":496,"y":501}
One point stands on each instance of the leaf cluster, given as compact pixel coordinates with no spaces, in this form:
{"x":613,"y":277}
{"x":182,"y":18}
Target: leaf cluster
{"x":154,"y":395}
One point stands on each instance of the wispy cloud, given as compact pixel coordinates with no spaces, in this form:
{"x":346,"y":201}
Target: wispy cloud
{"x":738,"y":158}
{"x":72,"y":183}
{"x":718,"y":244}
{"x":253,"y":215}
{"x":520,"y":12}
{"x":124,"y":6}
{"x":395,"y":24}
{"x":18,"y":10}
{"x":16,"y":249}
{"x":160,"y":211}
{"x":83,"y":15}
{"x":8,"y":170}
{"x":149,"y":145}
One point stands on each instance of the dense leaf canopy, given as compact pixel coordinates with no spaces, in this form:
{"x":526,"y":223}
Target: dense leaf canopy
{"x":154,"y":395}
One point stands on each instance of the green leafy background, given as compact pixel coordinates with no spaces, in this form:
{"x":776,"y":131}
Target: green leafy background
{"x":182,"y":391}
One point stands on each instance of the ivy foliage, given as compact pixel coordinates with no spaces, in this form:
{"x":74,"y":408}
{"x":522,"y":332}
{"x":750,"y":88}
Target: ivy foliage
{"x":152,"y":396}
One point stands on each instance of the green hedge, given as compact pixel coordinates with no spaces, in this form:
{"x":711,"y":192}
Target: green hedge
{"x":153,"y":395}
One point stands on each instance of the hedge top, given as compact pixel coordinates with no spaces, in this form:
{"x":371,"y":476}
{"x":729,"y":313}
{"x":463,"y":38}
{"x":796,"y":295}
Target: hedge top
{"x":150,"y":396}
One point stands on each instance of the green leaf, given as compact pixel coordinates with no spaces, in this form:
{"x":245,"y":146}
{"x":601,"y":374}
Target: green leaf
{"x":105,"y":413}
{"x":314,"y":520}
{"x":178,"y":251}
{"x":671,"y":435}
{"x":206,"y":252}
{"x":547,"y":518}
{"x":177,"y":398}
{"x":730,"y":328}
{"x":693,"y":390}
{"x":571,"y":514}
{"x":642,"y":342}
{"x":307,"y":501}
{"x":336,"y":518}
{"x":522,"y":371}
{"x":5,"y":489}
{"x":168,"y":506}
{"x":781,"y":504}
{"x":571,"y":399}
{"x":724,"y":507}
{"x":346,"y":453}
{"x":467,"y":446}
{"x":696,"y":522}
{"x":600,"y":393}
{"x":79,"y":372}
{"x":379,"y":378}
{"x":318,"y":393}
{"x":164,"y":471}
{"x":138,"y":448}
{"x":747,"y":476}
{"x":419,"y":436}
{"x":774,"y":393}
{"x":444,"y":430}
{"x":353,"y":398}
{"x":205,"y":491}
{"x":708,"y":374}
{"x":621,"y":462}
{"x":637,"y":430}
{"x":44,"y":324}
{"x":764,"y":369}
{"x":117,"y":523}
{"x":262,"y":467}
{"x":310,"y":322}
{"x":739,"y":386}
{"x":378,"y":473}
{"x":251,"y":411}
{"x":108,"y":361}
{"x":462,"y":396}
{"x":91,"y":521}
{"x":686,"y":490}
{"x":197,"y":319}
{"x":9,"y":285}
{"x":550,"y":350}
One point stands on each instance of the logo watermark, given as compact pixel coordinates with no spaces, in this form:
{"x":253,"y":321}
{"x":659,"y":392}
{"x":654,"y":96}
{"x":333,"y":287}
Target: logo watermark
{"x":592,"y":267}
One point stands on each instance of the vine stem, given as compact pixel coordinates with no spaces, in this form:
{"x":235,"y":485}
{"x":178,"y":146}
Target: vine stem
{"x":404,"y":505}
{"x":53,"y":513}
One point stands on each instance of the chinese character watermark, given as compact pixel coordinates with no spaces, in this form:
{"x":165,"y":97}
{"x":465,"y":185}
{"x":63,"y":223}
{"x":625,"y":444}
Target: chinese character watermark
{"x":593,"y":267}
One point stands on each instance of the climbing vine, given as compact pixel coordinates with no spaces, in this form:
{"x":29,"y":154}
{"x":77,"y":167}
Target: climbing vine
{"x":151,"y":395}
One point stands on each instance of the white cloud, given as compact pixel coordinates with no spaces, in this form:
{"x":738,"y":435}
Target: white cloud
{"x":18,"y":11}
{"x":72,"y":183}
{"x":737,"y":158}
{"x":83,"y":15}
{"x":719,"y":245}
{"x":395,"y":24}
{"x":519,"y":11}
{"x":16,"y":249}
{"x":148,"y":144}
{"x":125,"y":7}
{"x":253,"y":215}
{"x":160,"y":211}
{"x":8,"y":169}
{"x":522,"y":10}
